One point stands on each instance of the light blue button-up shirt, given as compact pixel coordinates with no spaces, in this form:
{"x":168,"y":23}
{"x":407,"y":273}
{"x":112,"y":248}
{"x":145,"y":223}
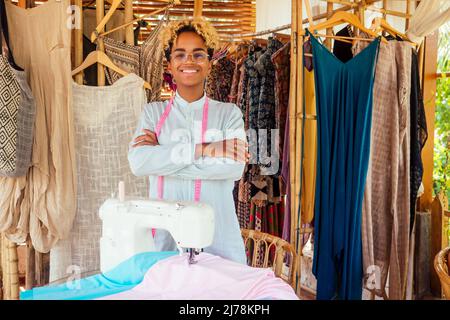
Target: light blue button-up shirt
{"x":174,"y":159}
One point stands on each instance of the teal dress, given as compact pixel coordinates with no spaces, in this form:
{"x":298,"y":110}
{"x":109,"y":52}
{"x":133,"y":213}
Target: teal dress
{"x":344,"y":115}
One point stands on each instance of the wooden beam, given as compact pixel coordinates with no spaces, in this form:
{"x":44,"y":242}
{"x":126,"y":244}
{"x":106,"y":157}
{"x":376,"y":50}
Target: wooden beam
{"x":292,"y":116}
{"x":13,"y":269}
{"x":389,"y":12}
{"x":342,"y":2}
{"x":384,"y":15}
{"x":22,"y":3}
{"x":429,"y":98}
{"x":292,"y":120}
{"x":30,"y":273}
{"x":408,"y":11}
{"x":356,"y":12}
{"x":298,"y":139}
{"x":78,"y":41}
{"x":5,"y":268}
{"x":2,"y":279}
{"x":329,"y":30}
{"x":100,"y":13}
{"x":198,"y":8}
{"x":437,"y":219}
{"x":128,"y":16}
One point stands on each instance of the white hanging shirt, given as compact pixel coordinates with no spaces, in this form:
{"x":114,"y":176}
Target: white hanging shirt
{"x":174,"y":159}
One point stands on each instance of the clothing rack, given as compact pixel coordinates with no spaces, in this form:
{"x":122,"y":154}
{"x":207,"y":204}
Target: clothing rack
{"x":295,"y":108}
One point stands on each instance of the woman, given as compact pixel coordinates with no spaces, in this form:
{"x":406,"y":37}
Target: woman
{"x":168,"y":140}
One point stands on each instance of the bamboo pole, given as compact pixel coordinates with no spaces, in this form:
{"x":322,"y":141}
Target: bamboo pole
{"x":298,"y":139}
{"x":39,"y":269}
{"x":343,"y":2}
{"x":329,"y":31}
{"x":408,"y":11}
{"x":133,"y":21}
{"x":198,"y":8}
{"x":100,"y":13}
{"x":129,"y":35}
{"x":78,"y":41}
{"x":429,"y":68}
{"x":362,"y":16}
{"x":292,"y":121}
{"x":389,"y":12}
{"x":1,"y":267}
{"x":6,"y":279}
{"x":300,"y":130}
{"x":13,"y":270}
{"x":309,"y":12}
{"x":30,"y":267}
{"x":384,"y":14}
{"x":356,"y":12}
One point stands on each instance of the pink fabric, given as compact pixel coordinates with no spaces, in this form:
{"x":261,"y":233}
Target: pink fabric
{"x":211,"y":278}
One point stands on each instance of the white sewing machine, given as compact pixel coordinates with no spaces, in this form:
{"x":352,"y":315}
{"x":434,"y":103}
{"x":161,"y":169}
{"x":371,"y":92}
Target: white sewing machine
{"x":127,"y":227}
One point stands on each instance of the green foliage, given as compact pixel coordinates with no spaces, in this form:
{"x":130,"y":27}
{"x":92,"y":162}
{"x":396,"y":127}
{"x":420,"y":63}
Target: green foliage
{"x":441,"y":172}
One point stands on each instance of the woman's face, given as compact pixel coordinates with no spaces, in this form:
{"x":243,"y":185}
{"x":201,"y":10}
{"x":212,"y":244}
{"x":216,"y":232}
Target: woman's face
{"x":189,"y":63}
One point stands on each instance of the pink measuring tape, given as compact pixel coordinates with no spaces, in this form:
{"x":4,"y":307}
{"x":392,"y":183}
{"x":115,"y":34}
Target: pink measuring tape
{"x":198,"y":182}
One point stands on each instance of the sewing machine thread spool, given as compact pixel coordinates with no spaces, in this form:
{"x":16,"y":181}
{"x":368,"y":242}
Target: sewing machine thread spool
{"x":121,"y":191}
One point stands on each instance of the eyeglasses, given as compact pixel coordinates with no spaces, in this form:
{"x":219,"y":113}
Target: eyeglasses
{"x":197,"y":57}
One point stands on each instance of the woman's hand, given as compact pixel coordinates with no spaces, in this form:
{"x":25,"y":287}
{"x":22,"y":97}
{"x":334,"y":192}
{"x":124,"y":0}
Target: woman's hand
{"x":147,"y":139}
{"x":234,"y":149}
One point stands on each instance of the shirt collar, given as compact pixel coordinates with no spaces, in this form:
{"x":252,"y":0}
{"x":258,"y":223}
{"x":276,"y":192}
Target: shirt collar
{"x":183,"y":103}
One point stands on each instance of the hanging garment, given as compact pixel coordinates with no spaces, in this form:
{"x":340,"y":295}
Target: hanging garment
{"x":173,"y":158}
{"x":428,"y":17}
{"x":254,"y":89}
{"x":43,"y":202}
{"x":16,"y":122}
{"x":234,"y":90}
{"x":309,"y":160}
{"x":17,"y":110}
{"x":419,"y":134}
{"x":145,"y":60}
{"x":219,"y":80}
{"x":243,"y":92}
{"x":211,"y":278}
{"x":344,"y":110}
{"x":307,"y":59}
{"x":121,"y":278}
{"x":282,"y":62}
{"x":243,"y":206}
{"x":386,"y":206}
{"x":268,"y":158}
{"x":310,"y":150}
{"x":104,"y":118}
{"x":343,"y":50}
{"x":89,"y":25}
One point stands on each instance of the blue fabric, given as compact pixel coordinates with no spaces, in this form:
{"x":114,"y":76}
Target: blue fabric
{"x":344,"y":116}
{"x":124,"y":277}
